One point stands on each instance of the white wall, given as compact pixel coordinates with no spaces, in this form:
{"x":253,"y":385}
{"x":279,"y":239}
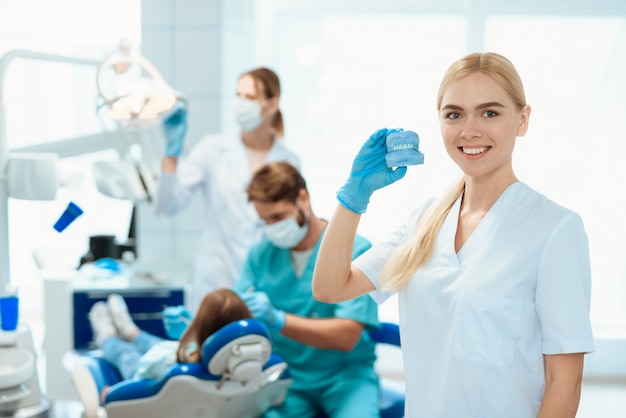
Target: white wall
{"x":201,"y":47}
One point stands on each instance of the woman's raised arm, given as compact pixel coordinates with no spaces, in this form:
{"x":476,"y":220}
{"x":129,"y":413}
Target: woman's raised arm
{"x":334,"y":278}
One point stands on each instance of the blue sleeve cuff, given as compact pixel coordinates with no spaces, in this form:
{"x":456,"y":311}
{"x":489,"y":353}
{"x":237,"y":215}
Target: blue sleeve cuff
{"x":280,"y":320}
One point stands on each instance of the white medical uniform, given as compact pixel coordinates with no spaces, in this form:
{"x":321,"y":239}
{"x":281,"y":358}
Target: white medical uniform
{"x":218,"y":166}
{"x":476,"y":324}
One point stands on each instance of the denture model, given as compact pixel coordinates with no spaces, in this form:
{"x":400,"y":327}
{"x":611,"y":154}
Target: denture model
{"x":403,"y":149}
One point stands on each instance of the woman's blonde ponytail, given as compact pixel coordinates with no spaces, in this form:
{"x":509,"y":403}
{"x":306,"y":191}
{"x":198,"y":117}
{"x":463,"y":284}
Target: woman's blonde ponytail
{"x":418,"y":249}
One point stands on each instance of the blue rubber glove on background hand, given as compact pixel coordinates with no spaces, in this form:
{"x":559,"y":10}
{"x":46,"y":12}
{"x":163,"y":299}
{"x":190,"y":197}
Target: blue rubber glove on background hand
{"x":176,"y":319}
{"x":262,"y":309}
{"x":175,"y":129}
{"x":369,"y":173}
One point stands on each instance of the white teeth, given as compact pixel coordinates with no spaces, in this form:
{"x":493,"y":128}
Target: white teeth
{"x":474,"y":151}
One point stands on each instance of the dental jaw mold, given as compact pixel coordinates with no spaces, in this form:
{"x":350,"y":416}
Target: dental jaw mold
{"x":403,"y":149}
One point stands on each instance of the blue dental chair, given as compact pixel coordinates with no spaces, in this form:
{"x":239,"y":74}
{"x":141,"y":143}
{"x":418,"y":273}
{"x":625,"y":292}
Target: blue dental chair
{"x":392,"y":396}
{"x":239,"y":378}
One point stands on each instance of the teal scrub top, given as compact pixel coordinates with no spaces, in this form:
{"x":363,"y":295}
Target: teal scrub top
{"x":269,"y":269}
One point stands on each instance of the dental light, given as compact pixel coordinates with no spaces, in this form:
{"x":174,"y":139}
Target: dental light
{"x":132,"y":90}
{"x":134,"y":96}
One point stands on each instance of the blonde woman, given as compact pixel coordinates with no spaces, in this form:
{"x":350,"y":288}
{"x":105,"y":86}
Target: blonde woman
{"x":493,"y":280}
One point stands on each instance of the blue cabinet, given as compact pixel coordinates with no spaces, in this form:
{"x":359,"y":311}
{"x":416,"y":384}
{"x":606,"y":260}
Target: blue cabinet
{"x":145,"y":306}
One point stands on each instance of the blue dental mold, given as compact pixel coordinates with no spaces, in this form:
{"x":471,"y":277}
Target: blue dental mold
{"x":403,"y":149}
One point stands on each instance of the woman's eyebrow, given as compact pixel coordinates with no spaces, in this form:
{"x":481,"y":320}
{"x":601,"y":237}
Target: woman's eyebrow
{"x":246,"y":95}
{"x":478,"y":107}
{"x":489,"y":104}
{"x":451,"y":107}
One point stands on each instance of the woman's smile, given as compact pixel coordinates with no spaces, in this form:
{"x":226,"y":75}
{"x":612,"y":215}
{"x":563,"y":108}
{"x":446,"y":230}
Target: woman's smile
{"x":474,"y":150}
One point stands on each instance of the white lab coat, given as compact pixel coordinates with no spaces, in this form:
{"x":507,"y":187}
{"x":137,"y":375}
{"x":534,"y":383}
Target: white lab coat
{"x":476,"y":324}
{"x":218,"y":167}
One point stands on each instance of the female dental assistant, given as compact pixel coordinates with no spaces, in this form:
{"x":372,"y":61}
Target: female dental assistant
{"x":493,"y":280}
{"x":220,"y":166}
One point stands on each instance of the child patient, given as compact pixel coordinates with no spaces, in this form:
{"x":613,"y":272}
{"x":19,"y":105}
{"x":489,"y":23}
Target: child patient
{"x":139,"y":354}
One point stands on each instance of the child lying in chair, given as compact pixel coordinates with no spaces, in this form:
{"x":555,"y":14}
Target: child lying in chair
{"x":139,"y":354}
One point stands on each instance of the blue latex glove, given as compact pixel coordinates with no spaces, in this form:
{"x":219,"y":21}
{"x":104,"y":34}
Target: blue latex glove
{"x":174,"y":129}
{"x":369,"y":173}
{"x":262,"y":309}
{"x":176,"y":319}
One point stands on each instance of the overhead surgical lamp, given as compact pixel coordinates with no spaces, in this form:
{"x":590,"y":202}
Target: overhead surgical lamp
{"x":132,"y":90}
{"x":134,"y":96}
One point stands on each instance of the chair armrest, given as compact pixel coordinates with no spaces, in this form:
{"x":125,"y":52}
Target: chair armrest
{"x":87,"y":378}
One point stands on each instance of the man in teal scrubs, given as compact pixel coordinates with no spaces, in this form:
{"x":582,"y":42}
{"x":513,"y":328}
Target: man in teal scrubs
{"x":326,"y":346}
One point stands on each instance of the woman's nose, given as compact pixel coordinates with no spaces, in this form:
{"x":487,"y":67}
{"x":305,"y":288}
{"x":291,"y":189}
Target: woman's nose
{"x":470,"y":129}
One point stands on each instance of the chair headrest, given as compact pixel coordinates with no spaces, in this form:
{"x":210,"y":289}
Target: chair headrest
{"x":238,"y":350}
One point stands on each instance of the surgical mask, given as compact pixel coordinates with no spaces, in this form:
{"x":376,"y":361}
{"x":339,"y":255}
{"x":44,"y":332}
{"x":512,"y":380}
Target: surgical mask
{"x":247,"y":114}
{"x":286,"y":233}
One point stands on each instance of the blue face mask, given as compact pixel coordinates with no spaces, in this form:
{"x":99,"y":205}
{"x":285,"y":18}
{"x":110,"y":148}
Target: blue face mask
{"x":247,"y":114}
{"x":286,"y":233}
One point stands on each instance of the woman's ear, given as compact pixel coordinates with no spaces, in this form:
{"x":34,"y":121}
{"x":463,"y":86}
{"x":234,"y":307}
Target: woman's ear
{"x":524,"y":119}
{"x":303,"y":197}
{"x":272,"y":105}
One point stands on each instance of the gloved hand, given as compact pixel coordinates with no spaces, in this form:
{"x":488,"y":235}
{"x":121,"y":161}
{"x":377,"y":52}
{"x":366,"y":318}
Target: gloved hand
{"x":369,"y":173}
{"x":174,"y":129}
{"x":176,"y":319}
{"x":262,"y":309}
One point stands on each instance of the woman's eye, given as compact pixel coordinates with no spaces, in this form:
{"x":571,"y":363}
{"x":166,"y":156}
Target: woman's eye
{"x":453,"y":115}
{"x":489,"y":114}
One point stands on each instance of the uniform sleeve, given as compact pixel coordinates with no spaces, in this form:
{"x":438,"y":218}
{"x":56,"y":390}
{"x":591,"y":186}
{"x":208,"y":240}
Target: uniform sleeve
{"x":362,"y":309}
{"x":174,"y":190}
{"x":372,"y":261}
{"x":361,"y":245}
{"x":564,"y":290}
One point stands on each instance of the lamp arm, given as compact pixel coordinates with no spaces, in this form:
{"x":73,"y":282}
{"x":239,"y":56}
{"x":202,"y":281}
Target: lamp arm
{"x":7,"y":58}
